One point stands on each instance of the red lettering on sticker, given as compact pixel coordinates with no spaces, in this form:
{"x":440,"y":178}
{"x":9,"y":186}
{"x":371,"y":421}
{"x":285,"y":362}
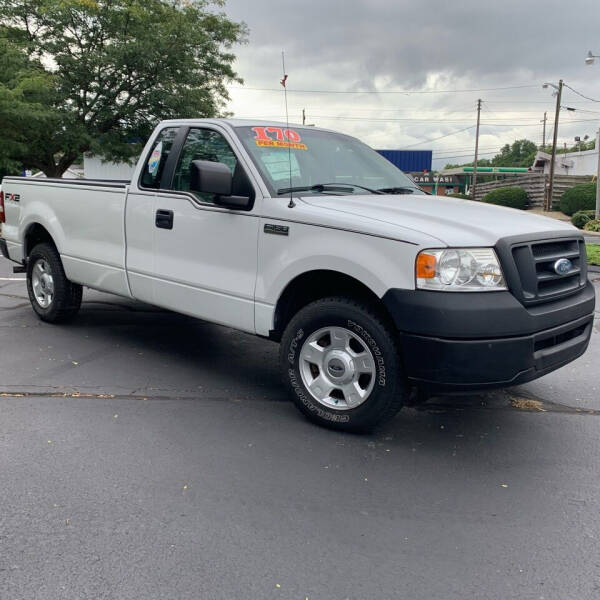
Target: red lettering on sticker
{"x":292,"y":135}
{"x":260,"y":134}
{"x":277,"y":131}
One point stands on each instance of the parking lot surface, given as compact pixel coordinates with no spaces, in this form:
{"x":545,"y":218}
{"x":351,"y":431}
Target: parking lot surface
{"x":148,"y":455}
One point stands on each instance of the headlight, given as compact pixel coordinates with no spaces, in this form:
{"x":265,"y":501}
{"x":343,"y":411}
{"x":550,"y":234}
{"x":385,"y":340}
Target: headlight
{"x":459,"y":270}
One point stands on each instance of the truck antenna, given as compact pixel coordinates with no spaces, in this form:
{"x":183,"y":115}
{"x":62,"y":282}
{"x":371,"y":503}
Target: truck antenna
{"x":287,"y":127}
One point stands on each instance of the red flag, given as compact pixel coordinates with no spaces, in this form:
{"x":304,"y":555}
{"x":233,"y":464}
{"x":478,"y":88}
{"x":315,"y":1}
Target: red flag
{"x":282,"y":82}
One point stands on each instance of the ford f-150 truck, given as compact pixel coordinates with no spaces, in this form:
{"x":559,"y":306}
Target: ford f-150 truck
{"x":312,"y":239}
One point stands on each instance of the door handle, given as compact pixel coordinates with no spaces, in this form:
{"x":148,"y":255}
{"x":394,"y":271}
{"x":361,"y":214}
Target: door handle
{"x":164,"y":219}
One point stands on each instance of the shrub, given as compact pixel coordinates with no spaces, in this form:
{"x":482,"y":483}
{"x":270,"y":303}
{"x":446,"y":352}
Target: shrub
{"x":579,"y":197}
{"x":514,"y":197}
{"x":580,"y":218}
{"x":459,"y":195}
{"x":593,"y":225}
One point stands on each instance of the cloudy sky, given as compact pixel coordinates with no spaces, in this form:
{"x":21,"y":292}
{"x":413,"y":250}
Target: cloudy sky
{"x":382,"y":69}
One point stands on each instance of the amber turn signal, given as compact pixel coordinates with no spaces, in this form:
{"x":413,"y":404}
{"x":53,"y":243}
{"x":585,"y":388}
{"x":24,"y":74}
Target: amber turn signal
{"x":426,"y":266}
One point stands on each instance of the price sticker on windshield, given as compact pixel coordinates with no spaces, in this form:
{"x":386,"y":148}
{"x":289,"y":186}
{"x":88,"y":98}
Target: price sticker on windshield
{"x":276,"y":137}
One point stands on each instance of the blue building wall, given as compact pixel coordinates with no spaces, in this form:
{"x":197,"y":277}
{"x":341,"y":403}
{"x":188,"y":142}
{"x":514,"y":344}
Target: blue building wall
{"x":409,"y":160}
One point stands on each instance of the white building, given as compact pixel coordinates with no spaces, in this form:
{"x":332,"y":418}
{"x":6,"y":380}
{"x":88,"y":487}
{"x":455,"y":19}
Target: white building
{"x":571,"y":163}
{"x":95,"y":168}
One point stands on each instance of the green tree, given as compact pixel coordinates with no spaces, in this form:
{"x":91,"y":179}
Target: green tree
{"x":97,"y":75}
{"x":518,"y":154}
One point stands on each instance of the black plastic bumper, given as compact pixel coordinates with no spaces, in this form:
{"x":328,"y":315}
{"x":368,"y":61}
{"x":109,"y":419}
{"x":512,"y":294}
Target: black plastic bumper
{"x":461,"y":341}
{"x":4,"y":248}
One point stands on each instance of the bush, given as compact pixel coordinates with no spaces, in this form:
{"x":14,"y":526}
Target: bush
{"x":580,"y":218}
{"x":593,"y":225}
{"x":579,"y":197}
{"x":459,"y":195}
{"x":513,"y":197}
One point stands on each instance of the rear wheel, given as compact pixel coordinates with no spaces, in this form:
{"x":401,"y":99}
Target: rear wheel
{"x":53,"y":297}
{"x":340,"y":361}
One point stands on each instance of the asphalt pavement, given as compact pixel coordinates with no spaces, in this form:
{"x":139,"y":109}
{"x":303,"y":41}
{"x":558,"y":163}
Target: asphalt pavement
{"x":146,"y":455}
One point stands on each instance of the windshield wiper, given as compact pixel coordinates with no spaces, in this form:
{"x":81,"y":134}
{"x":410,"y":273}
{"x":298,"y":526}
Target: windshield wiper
{"x":326,"y":187}
{"x":396,"y":190}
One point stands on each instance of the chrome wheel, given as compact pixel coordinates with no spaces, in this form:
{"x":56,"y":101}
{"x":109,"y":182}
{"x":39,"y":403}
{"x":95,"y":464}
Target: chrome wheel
{"x":337,"y":368}
{"x":42,"y":283}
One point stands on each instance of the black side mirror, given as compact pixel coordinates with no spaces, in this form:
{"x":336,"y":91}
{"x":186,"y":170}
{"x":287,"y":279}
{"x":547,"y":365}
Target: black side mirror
{"x":215,"y":178}
{"x":210,"y":177}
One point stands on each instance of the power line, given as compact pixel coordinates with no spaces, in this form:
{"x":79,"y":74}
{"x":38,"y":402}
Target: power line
{"x":254,"y":89}
{"x":494,"y":122}
{"x":439,"y":138}
{"x":580,"y":94}
{"x":464,"y":155}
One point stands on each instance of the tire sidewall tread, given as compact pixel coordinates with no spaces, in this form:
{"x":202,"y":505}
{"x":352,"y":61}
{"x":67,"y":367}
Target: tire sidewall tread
{"x":390,"y":388}
{"x":67,"y":295}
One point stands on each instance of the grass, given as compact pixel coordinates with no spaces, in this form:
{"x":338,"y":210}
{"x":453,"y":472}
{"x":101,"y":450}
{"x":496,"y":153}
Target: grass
{"x":593,"y":254}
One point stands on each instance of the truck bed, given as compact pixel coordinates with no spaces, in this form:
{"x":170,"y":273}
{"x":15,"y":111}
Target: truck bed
{"x":55,"y":180}
{"x":85,"y":218}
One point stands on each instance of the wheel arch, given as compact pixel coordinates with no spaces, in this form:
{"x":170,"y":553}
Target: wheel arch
{"x":314,"y":285}
{"x":36,"y":233}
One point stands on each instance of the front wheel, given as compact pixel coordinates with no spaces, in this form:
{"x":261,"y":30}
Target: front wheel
{"x":341,"y":363}
{"x":53,"y":297}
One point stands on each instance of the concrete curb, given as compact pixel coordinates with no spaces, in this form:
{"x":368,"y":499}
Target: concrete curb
{"x":593,"y":269}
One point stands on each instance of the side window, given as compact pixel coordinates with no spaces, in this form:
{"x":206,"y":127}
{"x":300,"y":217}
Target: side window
{"x":157,"y":158}
{"x":202,"y":144}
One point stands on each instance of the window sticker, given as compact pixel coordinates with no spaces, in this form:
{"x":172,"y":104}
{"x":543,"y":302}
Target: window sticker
{"x":154,"y":159}
{"x":278,"y":165}
{"x":276,"y":137}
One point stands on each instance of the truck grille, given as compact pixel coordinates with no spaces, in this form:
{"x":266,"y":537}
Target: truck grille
{"x":536,"y":280}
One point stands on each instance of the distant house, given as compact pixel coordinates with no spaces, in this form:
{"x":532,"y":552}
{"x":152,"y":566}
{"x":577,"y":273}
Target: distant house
{"x":571,"y":163}
{"x":95,"y":168}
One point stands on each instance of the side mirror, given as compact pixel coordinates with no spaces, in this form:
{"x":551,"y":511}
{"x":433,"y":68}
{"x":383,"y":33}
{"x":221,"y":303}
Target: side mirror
{"x":215,"y":178}
{"x":210,"y":177}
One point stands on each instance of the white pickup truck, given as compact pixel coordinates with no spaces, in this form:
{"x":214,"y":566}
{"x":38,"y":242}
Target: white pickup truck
{"x":310,"y":238}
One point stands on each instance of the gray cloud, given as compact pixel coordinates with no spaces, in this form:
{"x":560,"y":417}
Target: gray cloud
{"x":433,"y":44}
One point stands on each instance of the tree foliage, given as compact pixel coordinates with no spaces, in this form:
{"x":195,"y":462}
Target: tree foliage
{"x":521,"y":153}
{"x":97,"y":75}
{"x":518,"y":154}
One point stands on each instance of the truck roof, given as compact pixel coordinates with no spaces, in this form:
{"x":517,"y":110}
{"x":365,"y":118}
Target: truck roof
{"x":244,"y":123}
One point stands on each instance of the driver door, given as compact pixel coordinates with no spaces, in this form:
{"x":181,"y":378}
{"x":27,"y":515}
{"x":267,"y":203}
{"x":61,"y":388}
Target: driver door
{"x":205,"y":256}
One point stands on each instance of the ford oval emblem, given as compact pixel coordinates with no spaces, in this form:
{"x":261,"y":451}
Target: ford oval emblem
{"x":563,"y":266}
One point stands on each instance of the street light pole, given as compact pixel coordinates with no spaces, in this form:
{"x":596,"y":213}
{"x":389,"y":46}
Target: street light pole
{"x":476,"y":148}
{"x":544,"y":131}
{"x":554,"y":140}
{"x":589,"y":60}
{"x":598,"y":177}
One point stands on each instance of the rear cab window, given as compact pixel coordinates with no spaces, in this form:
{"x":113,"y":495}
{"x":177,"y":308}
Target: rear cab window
{"x":154,"y":163}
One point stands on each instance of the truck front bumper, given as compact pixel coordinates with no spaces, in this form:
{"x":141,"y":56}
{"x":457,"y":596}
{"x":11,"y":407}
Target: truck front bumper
{"x":463,"y":341}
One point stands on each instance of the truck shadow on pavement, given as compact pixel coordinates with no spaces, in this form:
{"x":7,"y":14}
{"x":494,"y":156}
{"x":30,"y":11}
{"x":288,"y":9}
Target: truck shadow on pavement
{"x":149,"y":353}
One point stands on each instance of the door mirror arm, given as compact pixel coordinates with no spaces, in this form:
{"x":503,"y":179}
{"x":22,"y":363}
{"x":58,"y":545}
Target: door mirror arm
{"x":233,"y":202}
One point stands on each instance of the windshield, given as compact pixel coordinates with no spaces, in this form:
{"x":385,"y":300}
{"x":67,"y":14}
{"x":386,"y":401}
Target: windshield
{"x":321,"y":162}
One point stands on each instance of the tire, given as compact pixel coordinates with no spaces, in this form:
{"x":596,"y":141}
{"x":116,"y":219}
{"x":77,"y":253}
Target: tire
{"x":53,"y":297}
{"x":309,"y":356}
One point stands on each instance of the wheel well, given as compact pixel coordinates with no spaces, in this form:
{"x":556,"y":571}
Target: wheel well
{"x":313,"y":285}
{"x":36,"y":234}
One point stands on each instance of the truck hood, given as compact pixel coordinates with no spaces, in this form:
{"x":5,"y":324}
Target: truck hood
{"x":453,"y":221}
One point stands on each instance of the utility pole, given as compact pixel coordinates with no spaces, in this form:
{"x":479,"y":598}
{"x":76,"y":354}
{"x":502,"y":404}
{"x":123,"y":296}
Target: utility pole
{"x":598,"y":177}
{"x":303,"y":116}
{"x":544,"y":131}
{"x":548,"y":205}
{"x":476,"y":148}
